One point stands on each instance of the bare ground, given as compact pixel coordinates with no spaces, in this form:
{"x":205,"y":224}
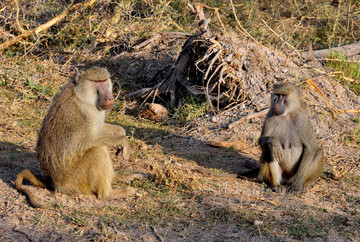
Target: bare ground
{"x":174,"y":201}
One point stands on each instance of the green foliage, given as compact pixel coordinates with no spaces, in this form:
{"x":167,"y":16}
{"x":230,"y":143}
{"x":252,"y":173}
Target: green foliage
{"x":79,"y":217}
{"x":192,"y":108}
{"x":5,"y":79}
{"x":304,"y":224}
{"x":349,"y":71}
{"x":27,"y":85}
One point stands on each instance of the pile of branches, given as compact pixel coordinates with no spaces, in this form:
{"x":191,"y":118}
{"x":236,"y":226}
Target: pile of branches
{"x":204,"y":67}
{"x":221,"y":68}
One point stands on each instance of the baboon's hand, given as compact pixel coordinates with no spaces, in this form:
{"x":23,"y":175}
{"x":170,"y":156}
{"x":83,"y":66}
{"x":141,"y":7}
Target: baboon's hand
{"x":276,"y":150}
{"x":124,"y":152}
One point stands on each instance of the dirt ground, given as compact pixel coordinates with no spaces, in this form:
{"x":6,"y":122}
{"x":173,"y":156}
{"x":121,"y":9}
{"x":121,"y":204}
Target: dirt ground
{"x":177,"y":203}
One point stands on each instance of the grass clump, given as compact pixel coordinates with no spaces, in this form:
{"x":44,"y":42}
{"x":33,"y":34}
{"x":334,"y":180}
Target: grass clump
{"x":348,"y":71}
{"x":34,"y":69}
{"x":353,"y":137}
{"x":192,"y":108}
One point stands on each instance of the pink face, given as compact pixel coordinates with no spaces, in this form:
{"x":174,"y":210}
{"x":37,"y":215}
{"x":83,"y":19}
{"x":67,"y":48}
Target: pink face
{"x":105,"y":98}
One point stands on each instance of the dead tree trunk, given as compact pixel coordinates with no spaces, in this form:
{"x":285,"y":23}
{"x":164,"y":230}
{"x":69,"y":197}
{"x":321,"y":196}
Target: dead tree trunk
{"x":348,"y":50}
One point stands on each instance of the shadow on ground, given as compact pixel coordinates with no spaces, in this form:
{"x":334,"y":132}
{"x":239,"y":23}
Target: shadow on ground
{"x":226,"y":159}
{"x":13,"y":159}
{"x":133,"y":72}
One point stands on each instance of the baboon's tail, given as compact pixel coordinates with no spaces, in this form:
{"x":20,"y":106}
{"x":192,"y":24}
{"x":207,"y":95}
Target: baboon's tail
{"x":30,"y":176}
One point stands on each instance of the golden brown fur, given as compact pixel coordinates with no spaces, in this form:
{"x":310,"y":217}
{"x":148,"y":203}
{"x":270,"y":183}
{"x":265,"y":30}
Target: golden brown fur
{"x":290,"y":154}
{"x":73,"y":140}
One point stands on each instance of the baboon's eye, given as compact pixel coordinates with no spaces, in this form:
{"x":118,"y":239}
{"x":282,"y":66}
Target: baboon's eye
{"x":276,"y":98}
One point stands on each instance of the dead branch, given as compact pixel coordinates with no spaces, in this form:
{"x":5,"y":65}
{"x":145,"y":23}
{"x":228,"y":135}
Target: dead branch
{"x":317,"y":89}
{"x":248,"y":117}
{"x":159,"y":37}
{"x":281,"y":38}
{"x":141,"y":93}
{"x":158,"y":236}
{"x":242,"y":29}
{"x":153,"y":78}
{"x":199,"y":15}
{"x":348,"y":50}
{"x":46,"y":25}
{"x":333,"y":110}
{"x":197,"y":91}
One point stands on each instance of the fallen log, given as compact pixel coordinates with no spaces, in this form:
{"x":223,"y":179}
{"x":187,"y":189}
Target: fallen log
{"x":262,"y":113}
{"x":348,"y":50}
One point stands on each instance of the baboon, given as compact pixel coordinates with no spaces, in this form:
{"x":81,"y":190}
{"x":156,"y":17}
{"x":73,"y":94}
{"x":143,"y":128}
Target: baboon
{"x":72,"y":144}
{"x":290,"y":154}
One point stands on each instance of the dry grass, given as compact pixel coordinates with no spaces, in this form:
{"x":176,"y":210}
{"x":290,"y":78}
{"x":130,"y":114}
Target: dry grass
{"x":173,"y":201}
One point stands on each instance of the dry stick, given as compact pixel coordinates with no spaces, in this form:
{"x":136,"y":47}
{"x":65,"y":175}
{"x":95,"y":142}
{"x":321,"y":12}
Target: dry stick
{"x":218,"y":84}
{"x":216,"y":70}
{"x":173,"y":21}
{"x":241,"y":27}
{"x":281,"y":38}
{"x":17,"y":17}
{"x":206,"y":55}
{"x":158,"y":236}
{"x":218,"y":100}
{"x":335,"y":24}
{"x":226,"y":109}
{"x":296,"y":28}
{"x":208,"y":96}
{"x":207,"y":85}
{"x":334,"y":74}
{"x":212,"y":62}
{"x":297,"y":8}
{"x":334,"y":111}
{"x":138,"y":93}
{"x":45,"y":26}
{"x":218,"y":16}
{"x":317,"y":89}
{"x":154,"y":38}
{"x":160,"y":37}
{"x":215,"y":43}
{"x":249,"y":116}
{"x":205,"y":77}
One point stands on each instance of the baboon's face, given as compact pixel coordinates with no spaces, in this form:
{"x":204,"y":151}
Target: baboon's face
{"x":94,"y":87}
{"x":279,"y":104}
{"x":284,"y":100}
{"x":105,"y":99}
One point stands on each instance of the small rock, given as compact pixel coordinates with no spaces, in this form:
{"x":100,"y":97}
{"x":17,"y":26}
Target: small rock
{"x":214,"y":119}
{"x":154,"y":111}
